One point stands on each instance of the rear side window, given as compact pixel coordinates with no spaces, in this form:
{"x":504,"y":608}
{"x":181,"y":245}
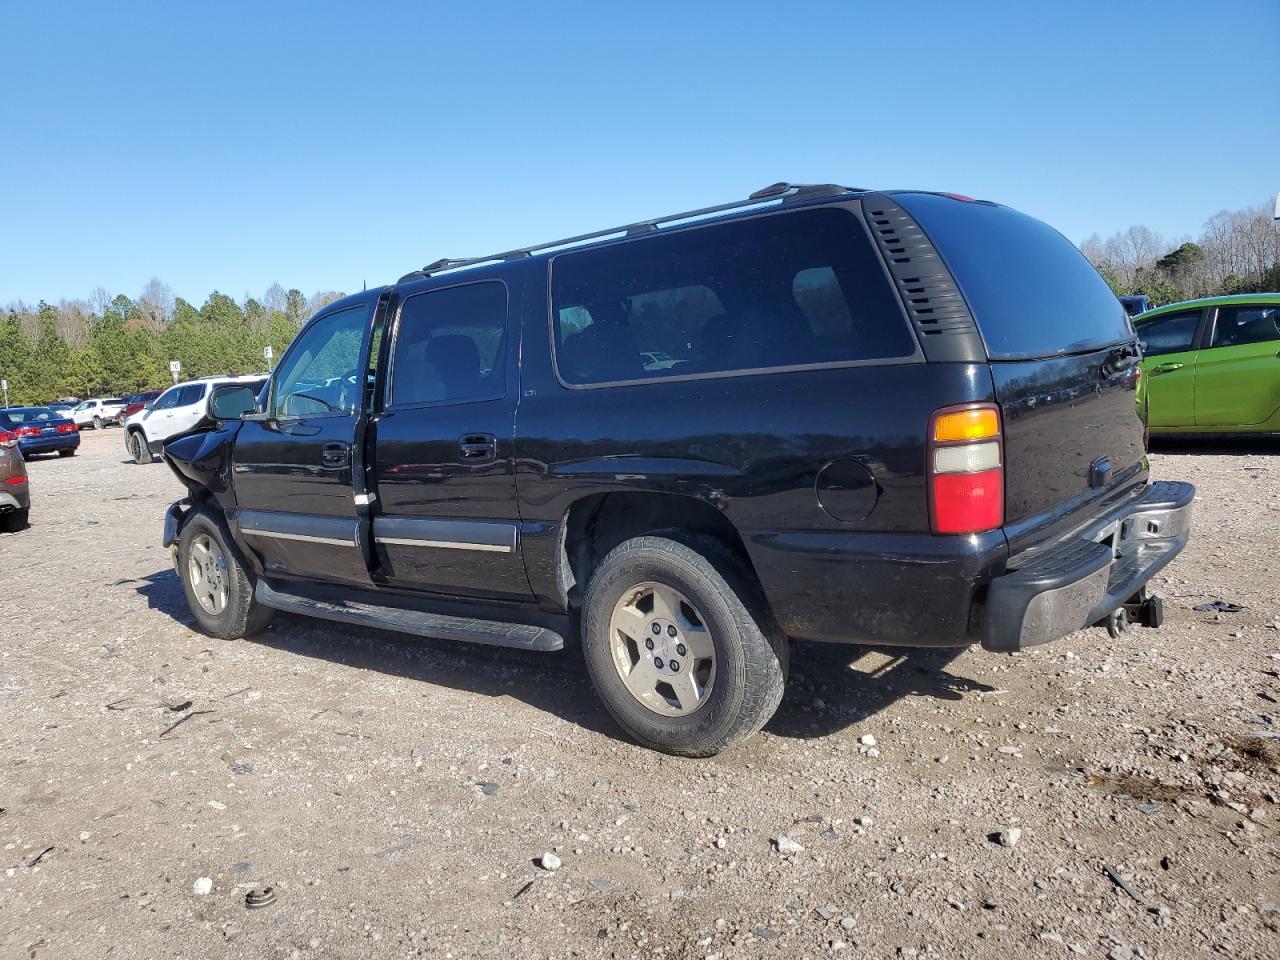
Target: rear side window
{"x":1171,"y":334}
{"x":448,"y":345}
{"x":1248,"y":324}
{"x":1032,"y":293}
{"x":792,"y":289}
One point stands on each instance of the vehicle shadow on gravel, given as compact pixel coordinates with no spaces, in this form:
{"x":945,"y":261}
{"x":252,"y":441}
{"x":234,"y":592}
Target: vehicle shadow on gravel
{"x":831,"y":688}
{"x":557,"y":683}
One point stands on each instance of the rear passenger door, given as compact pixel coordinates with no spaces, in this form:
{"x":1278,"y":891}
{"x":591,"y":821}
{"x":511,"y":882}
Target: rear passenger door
{"x":1238,"y":372}
{"x":1170,"y":367}
{"x":442,"y":445}
{"x":189,"y":410}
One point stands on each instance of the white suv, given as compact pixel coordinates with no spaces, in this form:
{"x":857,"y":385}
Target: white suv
{"x":96,"y":413}
{"x":180,"y":408}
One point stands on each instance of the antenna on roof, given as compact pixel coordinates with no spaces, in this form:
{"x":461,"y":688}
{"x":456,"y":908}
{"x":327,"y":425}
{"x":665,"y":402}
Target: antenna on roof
{"x":786,"y":192}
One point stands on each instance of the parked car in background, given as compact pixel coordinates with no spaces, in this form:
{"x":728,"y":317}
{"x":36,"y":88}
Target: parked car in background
{"x":135,"y":402}
{"x":180,"y":408}
{"x":15,"y":496}
{"x":41,"y":430}
{"x":1136,"y":304}
{"x":62,"y":408}
{"x":98,"y":413}
{"x":1212,"y":365}
{"x":897,"y":418}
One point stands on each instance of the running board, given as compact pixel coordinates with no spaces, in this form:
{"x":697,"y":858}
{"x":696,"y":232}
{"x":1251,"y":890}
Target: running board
{"x":415,"y":622}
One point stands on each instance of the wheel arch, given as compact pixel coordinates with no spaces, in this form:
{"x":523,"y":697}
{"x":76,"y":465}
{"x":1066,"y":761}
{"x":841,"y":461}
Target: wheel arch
{"x":596,"y":523}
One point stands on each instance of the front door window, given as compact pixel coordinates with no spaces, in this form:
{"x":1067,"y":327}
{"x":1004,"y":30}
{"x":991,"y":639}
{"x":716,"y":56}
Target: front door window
{"x":318,"y":377}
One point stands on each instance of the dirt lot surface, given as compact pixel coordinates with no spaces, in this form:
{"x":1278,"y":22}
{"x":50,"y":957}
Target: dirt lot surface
{"x":395,"y":793}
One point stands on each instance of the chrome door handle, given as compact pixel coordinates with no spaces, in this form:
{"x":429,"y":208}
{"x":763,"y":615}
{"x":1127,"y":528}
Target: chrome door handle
{"x":334,"y":454}
{"x":1167,"y":367}
{"x":478,"y":448}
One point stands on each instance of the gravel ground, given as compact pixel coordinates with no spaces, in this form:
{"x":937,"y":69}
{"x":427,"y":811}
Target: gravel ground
{"x":396,"y":794}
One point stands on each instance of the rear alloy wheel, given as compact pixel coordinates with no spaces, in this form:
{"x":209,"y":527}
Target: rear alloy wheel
{"x":680,"y":646}
{"x":97,"y":423}
{"x":218,"y":588}
{"x":139,"y":447}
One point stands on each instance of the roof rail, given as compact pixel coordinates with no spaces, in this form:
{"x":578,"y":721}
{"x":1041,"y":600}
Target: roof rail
{"x":786,"y":192}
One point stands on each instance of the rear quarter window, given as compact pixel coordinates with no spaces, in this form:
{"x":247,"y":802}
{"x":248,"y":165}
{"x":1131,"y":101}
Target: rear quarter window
{"x":1031,"y":291}
{"x":798,"y":289}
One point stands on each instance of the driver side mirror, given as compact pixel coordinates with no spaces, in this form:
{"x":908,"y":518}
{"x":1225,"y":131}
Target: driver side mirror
{"x":148,"y":406}
{"x":232,"y":402}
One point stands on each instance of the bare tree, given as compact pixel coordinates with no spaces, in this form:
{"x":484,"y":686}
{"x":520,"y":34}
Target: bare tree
{"x":156,"y":304}
{"x":274,"y":299}
{"x":99,"y":299}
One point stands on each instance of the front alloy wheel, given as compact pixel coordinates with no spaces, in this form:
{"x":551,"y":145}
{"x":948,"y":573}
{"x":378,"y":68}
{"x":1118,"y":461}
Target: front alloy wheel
{"x":207,"y":574}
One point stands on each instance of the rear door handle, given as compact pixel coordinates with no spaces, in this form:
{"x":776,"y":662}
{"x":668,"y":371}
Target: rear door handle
{"x":334,"y":454}
{"x":478,"y":448}
{"x":1167,"y":367}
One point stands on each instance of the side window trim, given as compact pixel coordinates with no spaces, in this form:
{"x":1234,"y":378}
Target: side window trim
{"x":387,"y":393}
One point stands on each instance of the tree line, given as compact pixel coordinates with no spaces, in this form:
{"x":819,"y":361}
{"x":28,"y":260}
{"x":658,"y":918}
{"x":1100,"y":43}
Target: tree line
{"x":117,"y":345}
{"x":1238,"y":251}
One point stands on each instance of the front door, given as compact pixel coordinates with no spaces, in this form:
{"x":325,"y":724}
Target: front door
{"x":1238,"y":375}
{"x":1170,"y":368}
{"x":293,"y":464}
{"x":446,"y":521}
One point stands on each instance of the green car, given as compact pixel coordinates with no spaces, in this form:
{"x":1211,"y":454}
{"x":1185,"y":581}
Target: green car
{"x":1212,"y":365}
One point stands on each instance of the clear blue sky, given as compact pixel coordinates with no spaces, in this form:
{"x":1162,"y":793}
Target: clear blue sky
{"x":230,"y":145}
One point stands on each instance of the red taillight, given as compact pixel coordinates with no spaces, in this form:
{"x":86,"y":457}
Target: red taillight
{"x":7,"y":439}
{"x":28,"y":431}
{"x":14,"y":481}
{"x":958,"y":196}
{"x":67,"y":428}
{"x":966,"y":469}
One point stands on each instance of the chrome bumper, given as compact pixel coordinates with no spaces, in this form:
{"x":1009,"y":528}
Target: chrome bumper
{"x":1079,"y":582}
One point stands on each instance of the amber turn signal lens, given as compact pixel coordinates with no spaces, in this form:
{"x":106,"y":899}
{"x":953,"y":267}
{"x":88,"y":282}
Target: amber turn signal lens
{"x":979,"y":424}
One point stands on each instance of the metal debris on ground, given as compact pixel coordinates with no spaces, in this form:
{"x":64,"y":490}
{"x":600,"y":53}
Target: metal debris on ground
{"x":1123,"y":882}
{"x":257,"y":899}
{"x":1218,"y":606}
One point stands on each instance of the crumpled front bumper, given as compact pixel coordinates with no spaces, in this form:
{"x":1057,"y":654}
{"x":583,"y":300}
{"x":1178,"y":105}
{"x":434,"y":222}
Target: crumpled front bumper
{"x":173,"y":519}
{"x":1051,"y":592}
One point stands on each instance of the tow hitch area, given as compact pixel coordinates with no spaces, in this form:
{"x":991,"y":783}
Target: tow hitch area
{"x":1146,"y":610}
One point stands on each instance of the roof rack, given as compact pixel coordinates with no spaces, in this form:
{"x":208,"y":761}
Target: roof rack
{"x":786,"y":192}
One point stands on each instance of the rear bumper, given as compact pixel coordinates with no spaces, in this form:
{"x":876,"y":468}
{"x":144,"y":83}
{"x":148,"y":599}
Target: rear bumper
{"x":50,"y":444}
{"x":12,"y":499}
{"x":1051,"y":591}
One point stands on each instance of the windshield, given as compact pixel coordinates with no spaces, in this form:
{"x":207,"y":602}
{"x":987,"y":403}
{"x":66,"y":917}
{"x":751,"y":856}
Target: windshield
{"x":1032,"y":293}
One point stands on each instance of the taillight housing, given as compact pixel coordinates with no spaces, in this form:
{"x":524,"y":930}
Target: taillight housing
{"x":8,"y":439}
{"x":18,"y":480}
{"x":68,"y":428}
{"x":966,"y":469}
{"x":28,"y":431}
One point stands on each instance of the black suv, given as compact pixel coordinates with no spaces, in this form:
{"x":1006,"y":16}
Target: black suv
{"x":822,"y":413}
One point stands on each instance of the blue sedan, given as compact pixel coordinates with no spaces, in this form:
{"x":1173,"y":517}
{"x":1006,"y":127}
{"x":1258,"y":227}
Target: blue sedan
{"x":41,"y":430}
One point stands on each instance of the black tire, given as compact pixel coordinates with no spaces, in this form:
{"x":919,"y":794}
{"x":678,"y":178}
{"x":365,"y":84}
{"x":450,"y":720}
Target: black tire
{"x":97,"y":423}
{"x":15,"y":520}
{"x":67,"y":453}
{"x":242,"y":616}
{"x":751,"y":653}
{"x":139,"y":447}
